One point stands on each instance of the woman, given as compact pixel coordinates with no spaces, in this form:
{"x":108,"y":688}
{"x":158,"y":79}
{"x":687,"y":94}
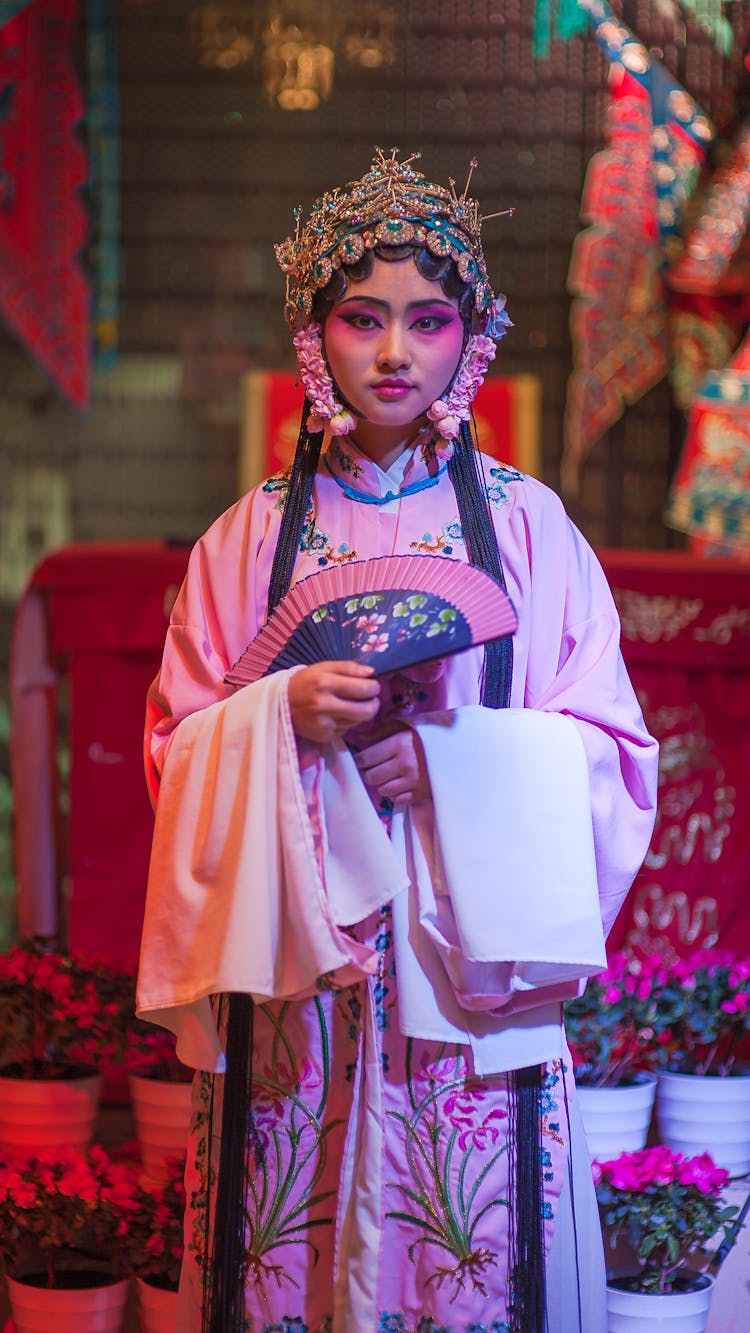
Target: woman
{"x":407,"y":874}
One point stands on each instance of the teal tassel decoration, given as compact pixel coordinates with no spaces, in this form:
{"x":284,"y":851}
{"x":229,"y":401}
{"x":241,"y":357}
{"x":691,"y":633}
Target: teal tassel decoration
{"x":555,"y":19}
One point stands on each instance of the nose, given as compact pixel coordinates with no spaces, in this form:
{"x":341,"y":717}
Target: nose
{"x":393,"y":349}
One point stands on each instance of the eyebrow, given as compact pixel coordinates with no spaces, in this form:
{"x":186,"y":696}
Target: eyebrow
{"x":385,"y":305}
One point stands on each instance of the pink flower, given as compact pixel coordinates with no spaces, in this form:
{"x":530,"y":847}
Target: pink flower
{"x":327,"y":413}
{"x":704,"y":1174}
{"x":448,"y":413}
{"x":376,"y":643}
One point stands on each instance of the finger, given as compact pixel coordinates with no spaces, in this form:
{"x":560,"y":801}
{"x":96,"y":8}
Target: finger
{"x":401,"y":790}
{"x":377,"y":753}
{"x":346,"y":714}
{"x":351,"y":687}
{"x":380,"y":773}
{"x":347,"y":668}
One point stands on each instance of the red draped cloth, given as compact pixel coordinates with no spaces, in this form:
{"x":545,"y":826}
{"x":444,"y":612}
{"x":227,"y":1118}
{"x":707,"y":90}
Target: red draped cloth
{"x":44,"y":293}
{"x":686,"y":640}
{"x":91,"y":625}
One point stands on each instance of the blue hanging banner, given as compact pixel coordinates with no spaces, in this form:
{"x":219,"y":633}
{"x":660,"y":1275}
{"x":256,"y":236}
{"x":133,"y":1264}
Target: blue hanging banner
{"x":9,"y":9}
{"x":103,"y":124}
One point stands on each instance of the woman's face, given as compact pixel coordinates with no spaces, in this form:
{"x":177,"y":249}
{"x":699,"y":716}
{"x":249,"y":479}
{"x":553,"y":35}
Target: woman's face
{"x":393,"y":344}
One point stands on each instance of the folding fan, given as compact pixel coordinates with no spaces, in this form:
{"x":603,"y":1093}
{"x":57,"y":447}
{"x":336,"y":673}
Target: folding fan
{"x":390,"y":612}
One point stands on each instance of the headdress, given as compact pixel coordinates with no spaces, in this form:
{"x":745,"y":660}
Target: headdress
{"x":393,"y":204}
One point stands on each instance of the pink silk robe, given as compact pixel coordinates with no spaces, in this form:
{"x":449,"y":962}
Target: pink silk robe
{"x":380,"y":1199}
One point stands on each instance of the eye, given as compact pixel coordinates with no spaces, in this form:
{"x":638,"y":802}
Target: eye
{"x":431,"y":323}
{"x":361,"y":320}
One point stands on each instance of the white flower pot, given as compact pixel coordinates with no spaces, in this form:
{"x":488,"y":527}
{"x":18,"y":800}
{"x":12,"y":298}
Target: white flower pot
{"x":158,"y":1308}
{"x":48,"y":1113}
{"x":162,"y":1118}
{"x":705,"y":1113}
{"x":69,"y":1310}
{"x":617,"y":1119}
{"x":672,"y":1312}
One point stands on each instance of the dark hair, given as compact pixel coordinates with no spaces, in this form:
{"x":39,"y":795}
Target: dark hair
{"x":436,"y":268}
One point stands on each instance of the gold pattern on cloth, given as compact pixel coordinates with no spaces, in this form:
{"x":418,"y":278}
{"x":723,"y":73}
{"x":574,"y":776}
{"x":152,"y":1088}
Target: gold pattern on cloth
{"x":655,"y":911}
{"x":696,"y":803}
{"x":721,"y":629}
{"x":655,"y":618}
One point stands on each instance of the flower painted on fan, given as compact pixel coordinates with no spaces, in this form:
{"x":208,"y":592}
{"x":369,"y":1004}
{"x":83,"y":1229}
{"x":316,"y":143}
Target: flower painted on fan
{"x":320,"y":613}
{"x":376,"y":643}
{"x":369,"y":624}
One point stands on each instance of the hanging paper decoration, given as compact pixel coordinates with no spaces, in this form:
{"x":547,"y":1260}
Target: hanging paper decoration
{"x":710,"y":495}
{"x":44,"y":297}
{"x":633,"y":200}
{"x":9,"y":9}
{"x":556,"y":19}
{"x":714,"y":241}
{"x":562,"y":19}
{"x":709,"y":16}
{"x":104,"y":156}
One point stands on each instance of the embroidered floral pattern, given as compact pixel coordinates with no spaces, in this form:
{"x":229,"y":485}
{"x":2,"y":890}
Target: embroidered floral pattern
{"x":444,"y":1206}
{"x":312,"y":540}
{"x":386,"y":969}
{"x":449,"y":536}
{"x":497,"y":490}
{"x":290,"y":1148}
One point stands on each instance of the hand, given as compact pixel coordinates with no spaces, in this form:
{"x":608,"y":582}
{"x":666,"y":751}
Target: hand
{"x":394,"y":766}
{"x":330,"y":697}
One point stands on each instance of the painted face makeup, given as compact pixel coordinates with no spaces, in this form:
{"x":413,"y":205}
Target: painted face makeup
{"x":393,"y":344}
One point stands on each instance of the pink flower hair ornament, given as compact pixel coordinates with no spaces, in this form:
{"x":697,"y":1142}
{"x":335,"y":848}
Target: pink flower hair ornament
{"x":446,"y":414}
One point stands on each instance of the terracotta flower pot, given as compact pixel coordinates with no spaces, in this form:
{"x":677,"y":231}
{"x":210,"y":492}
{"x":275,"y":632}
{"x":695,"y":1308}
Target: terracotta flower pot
{"x":158,"y":1307}
{"x":48,"y":1113}
{"x":162,"y":1118}
{"x":68,"y":1309}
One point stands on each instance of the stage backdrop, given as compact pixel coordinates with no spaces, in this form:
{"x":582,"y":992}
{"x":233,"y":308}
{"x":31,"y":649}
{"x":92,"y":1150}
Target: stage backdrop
{"x":92,"y":624}
{"x":686,"y":640}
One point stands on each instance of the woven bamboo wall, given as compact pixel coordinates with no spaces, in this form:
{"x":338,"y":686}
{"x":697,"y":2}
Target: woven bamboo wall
{"x":211,"y":172}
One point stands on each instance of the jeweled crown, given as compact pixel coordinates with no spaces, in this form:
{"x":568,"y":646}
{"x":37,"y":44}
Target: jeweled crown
{"x":392,"y":204}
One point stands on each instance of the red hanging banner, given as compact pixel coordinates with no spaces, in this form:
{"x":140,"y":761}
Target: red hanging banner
{"x":44,"y":294}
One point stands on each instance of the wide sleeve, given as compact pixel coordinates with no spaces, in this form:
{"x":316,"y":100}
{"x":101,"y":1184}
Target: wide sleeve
{"x":236,"y":897}
{"x":572,"y":664}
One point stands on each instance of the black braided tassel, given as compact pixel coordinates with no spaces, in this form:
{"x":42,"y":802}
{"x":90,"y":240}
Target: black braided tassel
{"x":526,"y":1278}
{"x":301,"y":478}
{"x":526,"y":1262}
{"x":224,"y":1274}
{"x":482,"y":549}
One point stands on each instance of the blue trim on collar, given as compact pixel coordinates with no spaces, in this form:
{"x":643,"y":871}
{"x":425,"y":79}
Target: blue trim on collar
{"x":362,"y":497}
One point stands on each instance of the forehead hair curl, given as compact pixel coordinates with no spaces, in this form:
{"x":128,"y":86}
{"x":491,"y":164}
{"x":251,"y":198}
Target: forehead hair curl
{"x":436,"y":268}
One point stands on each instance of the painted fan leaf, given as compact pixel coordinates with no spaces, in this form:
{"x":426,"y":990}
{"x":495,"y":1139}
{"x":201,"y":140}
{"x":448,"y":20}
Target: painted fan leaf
{"x":390,"y":612}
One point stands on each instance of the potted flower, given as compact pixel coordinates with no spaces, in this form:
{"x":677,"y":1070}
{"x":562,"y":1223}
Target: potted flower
{"x":610,"y":1031}
{"x":56,"y":1023}
{"x":155,"y":1247}
{"x":160,"y":1087}
{"x":702,"y":1026}
{"x":667,"y":1207}
{"x":64,"y":1214}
